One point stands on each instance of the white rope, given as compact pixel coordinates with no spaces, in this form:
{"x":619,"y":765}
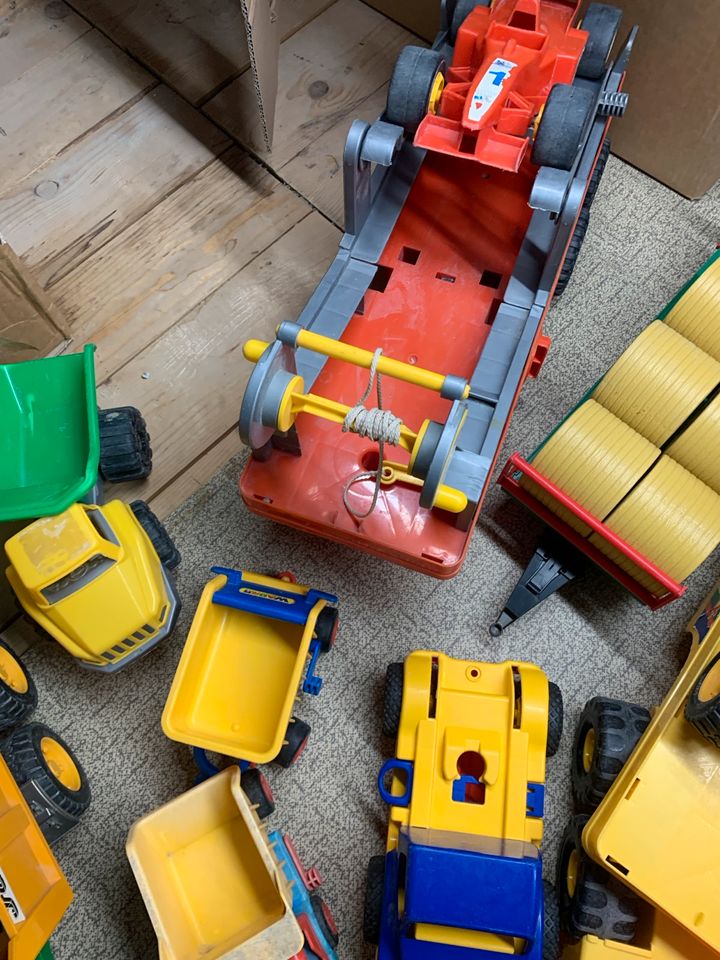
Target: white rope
{"x":381,"y":426}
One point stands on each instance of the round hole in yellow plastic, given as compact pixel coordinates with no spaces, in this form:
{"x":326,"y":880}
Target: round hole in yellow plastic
{"x":710,"y":687}
{"x":61,"y":763}
{"x":12,"y":673}
{"x":588,"y":749}
{"x":572,"y":872}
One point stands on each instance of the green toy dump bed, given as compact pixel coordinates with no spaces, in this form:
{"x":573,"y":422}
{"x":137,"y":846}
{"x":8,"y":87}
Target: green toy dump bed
{"x":49,"y":442}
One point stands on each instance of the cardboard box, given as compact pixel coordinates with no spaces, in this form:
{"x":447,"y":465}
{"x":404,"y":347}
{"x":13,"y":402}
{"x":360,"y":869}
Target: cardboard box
{"x":672,"y":127}
{"x":263,"y":40}
{"x":30,"y":325}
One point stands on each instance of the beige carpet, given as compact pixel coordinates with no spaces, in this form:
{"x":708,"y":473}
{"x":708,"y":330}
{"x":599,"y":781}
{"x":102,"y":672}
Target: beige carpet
{"x":643,"y":243}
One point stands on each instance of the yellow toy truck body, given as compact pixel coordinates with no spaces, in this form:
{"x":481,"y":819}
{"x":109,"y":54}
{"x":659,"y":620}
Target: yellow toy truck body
{"x":242,"y":665}
{"x":662,"y":939}
{"x":90,"y":577}
{"x":34,"y":893}
{"x":462,"y":868}
{"x":658,"y":827}
{"x":209,"y":879}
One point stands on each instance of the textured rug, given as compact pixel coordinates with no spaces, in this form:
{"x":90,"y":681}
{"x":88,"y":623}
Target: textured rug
{"x":643,"y":243}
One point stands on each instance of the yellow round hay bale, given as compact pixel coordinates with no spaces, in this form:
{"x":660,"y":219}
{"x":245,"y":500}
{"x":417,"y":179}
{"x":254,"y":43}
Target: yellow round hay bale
{"x":658,"y":382}
{"x":671,"y":518}
{"x":696,"y":315}
{"x":698,"y":446}
{"x":595,"y":459}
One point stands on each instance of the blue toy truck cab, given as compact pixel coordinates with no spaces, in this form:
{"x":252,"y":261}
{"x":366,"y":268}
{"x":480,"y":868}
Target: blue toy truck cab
{"x":475,"y":891}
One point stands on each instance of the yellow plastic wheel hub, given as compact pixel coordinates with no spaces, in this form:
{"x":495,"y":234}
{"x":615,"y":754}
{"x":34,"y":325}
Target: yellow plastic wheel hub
{"x":12,"y":673}
{"x":710,"y":687}
{"x":61,"y":763}
{"x":588,"y":749}
{"x":436,"y":93}
{"x":571,"y":874}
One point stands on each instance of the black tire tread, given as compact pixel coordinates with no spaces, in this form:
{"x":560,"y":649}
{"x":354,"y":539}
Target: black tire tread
{"x":372,"y":913}
{"x":618,"y":727}
{"x":558,"y":136}
{"x":251,"y":782}
{"x":602,"y":21}
{"x":163,"y":543}
{"x":410,"y":85}
{"x":331,"y":936}
{"x":462,"y":10}
{"x":325,"y":626}
{"x":16,"y":707}
{"x":583,"y":222}
{"x":392,"y":700}
{"x":297,"y":731}
{"x":23,"y":756}
{"x":556,"y":716}
{"x":125,"y":450}
{"x":704,"y":715}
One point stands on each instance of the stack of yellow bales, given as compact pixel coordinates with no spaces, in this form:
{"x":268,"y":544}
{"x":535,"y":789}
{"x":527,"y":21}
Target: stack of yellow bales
{"x":642,"y":451}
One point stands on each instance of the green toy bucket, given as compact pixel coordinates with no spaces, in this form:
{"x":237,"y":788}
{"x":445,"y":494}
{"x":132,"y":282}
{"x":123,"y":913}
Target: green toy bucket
{"x":49,"y":434}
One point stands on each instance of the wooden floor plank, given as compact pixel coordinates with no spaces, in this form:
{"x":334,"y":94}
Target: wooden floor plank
{"x":195,"y":475}
{"x":142,"y":282}
{"x":59,"y":215}
{"x":31,"y":31}
{"x":317,"y":171}
{"x":194,"y":45}
{"x":196,"y":370}
{"x":61,"y":98}
{"x":326,"y":71}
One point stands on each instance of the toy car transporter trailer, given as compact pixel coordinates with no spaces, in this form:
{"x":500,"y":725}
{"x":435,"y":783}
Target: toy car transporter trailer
{"x":465,"y":207}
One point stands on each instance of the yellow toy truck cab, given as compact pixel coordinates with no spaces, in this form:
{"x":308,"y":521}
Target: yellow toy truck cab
{"x":652,"y":788}
{"x":210,"y":881}
{"x":95,"y":578}
{"x":43,"y":793}
{"x":254,"y":640}
{"x":462,"y":868}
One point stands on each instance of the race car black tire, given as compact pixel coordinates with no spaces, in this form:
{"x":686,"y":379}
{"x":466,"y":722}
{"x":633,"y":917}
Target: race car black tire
{"x":563,"y":122}
{"x":410,"y":86}
{"x":602,"y":21}
{"x":461,"y":11}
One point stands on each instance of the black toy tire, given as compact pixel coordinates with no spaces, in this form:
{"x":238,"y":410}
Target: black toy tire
{"x":324,"y":919}
{"x":125,"y":451}
{"x":551,"y":923}
{"x":410,"y":86}
{"x":15,"y":705}
{"x":392,"y":700}
{"x":602,"y":21}
{"x":556,"y":717}
{"x":326,"y":627}
{"x":598,"y":903}
{"x":24,"y":757}
{"x":372,"y":913}
{"x":559,"y":134}
{"x":583,"y":222}
{"x":461,"y":11}
{"x":164,"y":545}
{"x":703,"y":712}
{"x":258,"y":792}
{"x":296,"y":737}
{"x":612,"y":728}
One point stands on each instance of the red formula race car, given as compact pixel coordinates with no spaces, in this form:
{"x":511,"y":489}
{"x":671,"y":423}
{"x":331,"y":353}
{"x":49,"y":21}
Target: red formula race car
{"x":465,"y":208}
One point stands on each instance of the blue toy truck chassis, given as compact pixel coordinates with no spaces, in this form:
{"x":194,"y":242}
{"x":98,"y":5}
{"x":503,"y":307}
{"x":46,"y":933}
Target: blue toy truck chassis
{"x":492,"y":886}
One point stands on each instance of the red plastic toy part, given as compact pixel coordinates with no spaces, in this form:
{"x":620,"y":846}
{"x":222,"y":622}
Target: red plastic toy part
{"x":432,"y":303}
{"x":506,"y":61}
{"x":510,"y":480}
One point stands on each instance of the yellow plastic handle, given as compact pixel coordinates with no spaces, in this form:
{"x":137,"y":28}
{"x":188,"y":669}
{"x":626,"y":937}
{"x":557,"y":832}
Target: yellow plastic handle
{"x":447,"y":498}
{"x":337,"y":350}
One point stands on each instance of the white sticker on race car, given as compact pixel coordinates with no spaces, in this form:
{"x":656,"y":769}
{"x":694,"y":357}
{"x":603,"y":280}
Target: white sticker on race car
{"x":489,"y":87}
{"x":10,"y":901}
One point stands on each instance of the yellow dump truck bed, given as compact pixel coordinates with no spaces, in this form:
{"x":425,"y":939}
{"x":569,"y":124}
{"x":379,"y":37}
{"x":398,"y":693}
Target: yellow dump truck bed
{"x":239,"y":673}
{"x":35,"y":893}
{"x":658,"y":828}
{"x":209,"y":880}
